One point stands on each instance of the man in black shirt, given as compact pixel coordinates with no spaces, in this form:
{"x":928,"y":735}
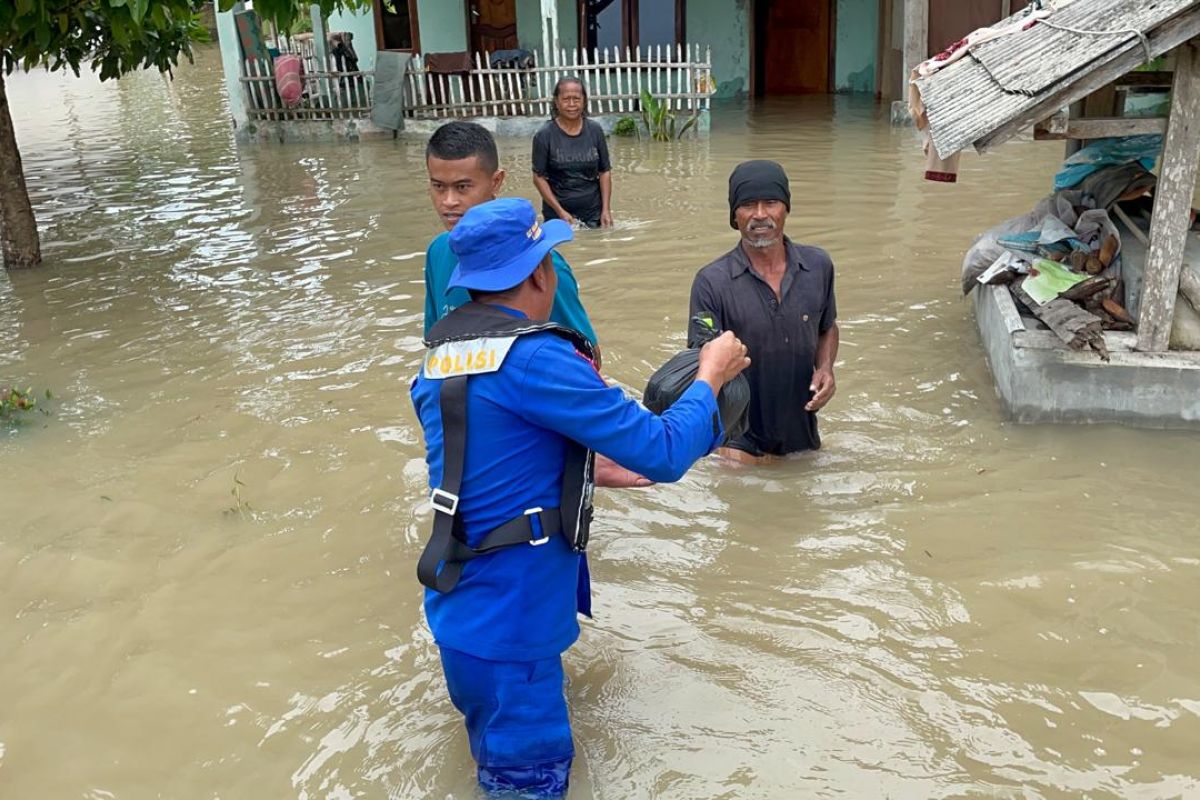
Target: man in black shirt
{"x":777,"y":297}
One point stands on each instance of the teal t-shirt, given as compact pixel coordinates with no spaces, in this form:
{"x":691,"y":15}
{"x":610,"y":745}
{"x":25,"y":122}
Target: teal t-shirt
{"x":440,"y":301}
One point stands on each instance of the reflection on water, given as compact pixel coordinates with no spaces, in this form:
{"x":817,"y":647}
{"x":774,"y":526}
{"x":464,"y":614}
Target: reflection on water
{"x":208,"y":550}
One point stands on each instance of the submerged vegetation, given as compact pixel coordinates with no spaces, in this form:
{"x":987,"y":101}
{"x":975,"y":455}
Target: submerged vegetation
{"x":15,"y":402}
{"x":660,"y":121}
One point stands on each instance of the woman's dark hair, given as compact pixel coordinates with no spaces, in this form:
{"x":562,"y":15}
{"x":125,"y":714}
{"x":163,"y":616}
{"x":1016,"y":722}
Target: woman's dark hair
{"x":558,"y":88}
{"x":458,"y":140}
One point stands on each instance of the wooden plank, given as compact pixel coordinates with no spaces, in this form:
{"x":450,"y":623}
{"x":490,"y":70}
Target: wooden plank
{"x":690,"y":80}
{"x":1006,"y":306}
{"x":707,"y":76}
{"x":1172,"y":204}
{"x":1073,"y":325}
{"x":1146,"y":80}
{"x":1122,"y":60}
{"x":511,"y":92}
{"x":1115,"y":341}
{"x":1101,"y":103}
{"x":604,"y":79}
{"x":1098,"y":128}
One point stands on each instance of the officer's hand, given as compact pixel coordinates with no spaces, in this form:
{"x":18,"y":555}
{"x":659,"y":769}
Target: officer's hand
{"x":611,"y":475}
{"x":721,"y":360}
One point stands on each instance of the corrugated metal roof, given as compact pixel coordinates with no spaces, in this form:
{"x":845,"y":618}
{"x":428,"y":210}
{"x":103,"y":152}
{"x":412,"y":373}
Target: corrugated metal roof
{"x":1008,"y":80}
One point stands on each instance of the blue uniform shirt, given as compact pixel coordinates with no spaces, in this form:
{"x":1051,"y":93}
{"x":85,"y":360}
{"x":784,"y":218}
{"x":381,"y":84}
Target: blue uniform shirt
{"x":440,"y":262}
{"x":520,"y":603}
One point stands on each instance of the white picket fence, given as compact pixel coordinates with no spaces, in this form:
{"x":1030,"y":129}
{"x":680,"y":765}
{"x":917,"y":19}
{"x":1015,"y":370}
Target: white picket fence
{"x":680,"y":76}
{"x":328,"y":94}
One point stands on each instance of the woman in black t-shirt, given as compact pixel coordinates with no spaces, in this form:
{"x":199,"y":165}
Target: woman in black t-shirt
{"x":571,"y":169}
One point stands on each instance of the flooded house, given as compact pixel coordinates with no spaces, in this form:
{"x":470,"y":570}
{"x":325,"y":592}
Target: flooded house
{"x":415,"y":62}
{"x":1089,"y":306}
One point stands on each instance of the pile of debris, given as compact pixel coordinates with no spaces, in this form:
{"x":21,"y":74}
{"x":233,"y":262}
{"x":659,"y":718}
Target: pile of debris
{"x":1062,"y":261}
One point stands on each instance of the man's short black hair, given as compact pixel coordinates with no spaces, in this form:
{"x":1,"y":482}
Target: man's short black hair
{"x":457,"y":140}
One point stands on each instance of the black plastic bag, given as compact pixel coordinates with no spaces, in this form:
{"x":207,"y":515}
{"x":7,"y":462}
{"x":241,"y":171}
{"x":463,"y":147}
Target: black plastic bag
{"x":673,"y":378}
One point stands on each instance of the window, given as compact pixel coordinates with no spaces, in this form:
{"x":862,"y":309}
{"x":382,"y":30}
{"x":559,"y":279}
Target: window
{"x":609,"y":24}
{"x":631,"y":23}
{"x":657,"y":22}
{"x":396,"y":25}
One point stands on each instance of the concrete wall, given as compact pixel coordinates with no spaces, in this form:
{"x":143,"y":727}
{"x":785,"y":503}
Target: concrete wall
{"x":362,"y":25}
{"x":723,"y":25}
{"x":1054,"y":384}
{"x":857,"y":43}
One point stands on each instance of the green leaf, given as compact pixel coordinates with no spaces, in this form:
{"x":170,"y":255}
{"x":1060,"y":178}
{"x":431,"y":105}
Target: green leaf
{"x":690,"y":122}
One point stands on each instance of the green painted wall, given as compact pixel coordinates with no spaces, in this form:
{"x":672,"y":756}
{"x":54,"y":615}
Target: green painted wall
{"x":857,"y":43}
{"x":529,"y":24}
{"x":568,"y":24}
{"x":723,"y":25}
{"x":362,"y":25}
{"x":231,"y":61}
{"x":443,"y":25}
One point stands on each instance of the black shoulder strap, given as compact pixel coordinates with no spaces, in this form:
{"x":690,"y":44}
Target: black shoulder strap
{"x":576,"y":502}
{"x":445,"y":507}
{"x":475,"y":320}
{"x":447,"y":544}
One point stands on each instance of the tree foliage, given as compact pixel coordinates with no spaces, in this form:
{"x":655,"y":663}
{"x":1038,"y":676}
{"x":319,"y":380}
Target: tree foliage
{"x":286,"y":13}
{"x":112,"y":36}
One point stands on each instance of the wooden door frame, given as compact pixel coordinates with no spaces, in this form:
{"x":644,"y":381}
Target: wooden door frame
{"x":753,"y":21}
{"x":414,"y":25}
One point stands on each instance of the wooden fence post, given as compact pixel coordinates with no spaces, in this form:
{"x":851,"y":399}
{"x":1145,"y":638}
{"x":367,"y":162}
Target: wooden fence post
{"x":1172,"y":203}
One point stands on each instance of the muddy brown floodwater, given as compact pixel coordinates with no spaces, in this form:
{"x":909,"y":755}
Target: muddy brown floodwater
{"x":207,"y":552}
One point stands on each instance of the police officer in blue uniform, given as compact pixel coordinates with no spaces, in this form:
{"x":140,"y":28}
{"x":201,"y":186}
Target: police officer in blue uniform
{"x":513,"y":409}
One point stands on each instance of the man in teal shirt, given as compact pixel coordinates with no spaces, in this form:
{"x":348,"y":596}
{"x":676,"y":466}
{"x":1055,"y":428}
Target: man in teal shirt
{"x":464,"y":171}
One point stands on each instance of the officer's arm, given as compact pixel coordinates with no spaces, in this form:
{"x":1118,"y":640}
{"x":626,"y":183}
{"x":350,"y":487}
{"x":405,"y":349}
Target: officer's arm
{"x":564,"y":393}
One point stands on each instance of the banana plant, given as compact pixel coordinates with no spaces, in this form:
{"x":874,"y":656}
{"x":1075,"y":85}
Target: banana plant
{"x":661,"y":121}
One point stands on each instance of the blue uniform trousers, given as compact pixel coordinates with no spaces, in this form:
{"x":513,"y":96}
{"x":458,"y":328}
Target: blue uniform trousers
{"x":517,"y":722}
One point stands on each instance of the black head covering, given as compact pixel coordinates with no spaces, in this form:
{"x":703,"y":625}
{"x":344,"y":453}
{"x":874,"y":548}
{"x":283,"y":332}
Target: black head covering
{"x":757,"y":180}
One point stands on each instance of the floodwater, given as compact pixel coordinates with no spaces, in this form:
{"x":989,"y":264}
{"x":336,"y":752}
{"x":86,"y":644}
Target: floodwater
{"x":207,"y":551}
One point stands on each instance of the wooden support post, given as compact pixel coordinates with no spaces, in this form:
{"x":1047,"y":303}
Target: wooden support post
{"x":1172,"y":203}
{"x":916,"y":35}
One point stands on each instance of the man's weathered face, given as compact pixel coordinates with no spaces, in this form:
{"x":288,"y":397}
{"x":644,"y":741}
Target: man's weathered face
{"x":458,"y":186}
{"x":761,"y":222}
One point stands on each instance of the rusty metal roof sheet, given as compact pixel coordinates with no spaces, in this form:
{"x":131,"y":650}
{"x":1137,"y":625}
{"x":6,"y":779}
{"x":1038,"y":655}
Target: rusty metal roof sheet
{"x":1005,"y":84}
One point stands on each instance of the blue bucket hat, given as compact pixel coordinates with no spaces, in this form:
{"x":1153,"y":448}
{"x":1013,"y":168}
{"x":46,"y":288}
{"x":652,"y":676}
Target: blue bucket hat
{"x":500,"y":243}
